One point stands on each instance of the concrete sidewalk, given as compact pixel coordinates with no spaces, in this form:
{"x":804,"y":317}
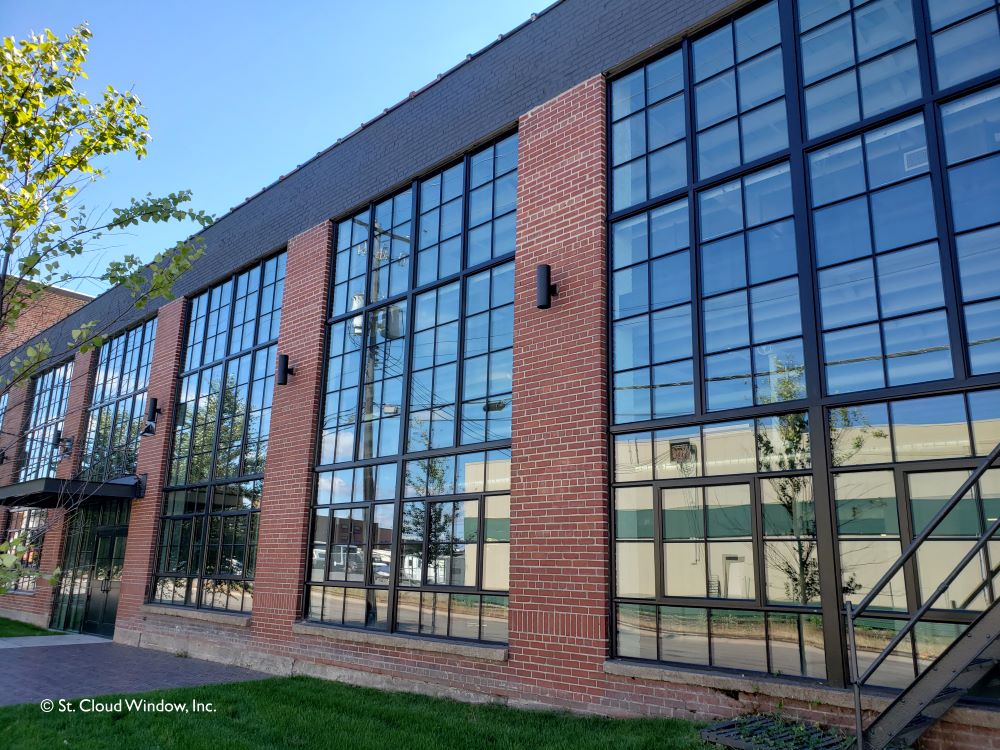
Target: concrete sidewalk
{"x":36,"y":671}
{"x":70,"y":639}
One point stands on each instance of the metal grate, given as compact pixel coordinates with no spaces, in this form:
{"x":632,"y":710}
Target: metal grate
{"x":774,"y":733}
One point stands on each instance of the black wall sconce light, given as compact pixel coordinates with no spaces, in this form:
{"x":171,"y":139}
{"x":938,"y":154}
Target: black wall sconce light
{"x":545,"y":290}
{"x":282,"y":371}
{"x":3,"y":457}
{"x":151,"y":411}
{"x":61,"y":446}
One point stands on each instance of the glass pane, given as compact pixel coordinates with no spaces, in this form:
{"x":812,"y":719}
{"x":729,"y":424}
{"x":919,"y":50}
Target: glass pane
{"x":718,"y":149}
{"x":683,"y":515}
{"x":765,"y":131}
{"x":837,"y":172}
{"x":890,"y":81}
{"x":730,"y":570}
{"x":982,"y":324}
{"x":936,"y":560}
{"x":772,"y":251}
{"x":636,"y":570}
{"x":882,"y":25}
{"x":787,"y":505}
{"x":634,"y":457}
{"x":917,"y":349}
{"x":896,"y":151}
{"x":726,"y":322}
{"x":929,"y":492}
{"x":684,"y":569}
{"x":863,"y":563}
{"x":967,"y":50}
{"x":832,"y":104}
{"x":842,"y":232}
{"x":775,"y":311}
{"x":984,"y":409}
{"x":728,"y":510}
{"x":783,"y":442}
{"x":796,"y":645}
{"x":684,"y":635}
{"x":847,"y":294}
{"x":636,"y":631}
{"x":910,"y":280}
{"x":903,"y":215}
{"x":738,"y":640}
{"x":761,"y":80}
{"x":666,"y":122}
{"x":971,"y":124}
{"x":979,"y":261}
{"x":728,"y":380}
{"x":715,"y":100}
{"x":730,"y":448}
{"x":827,"y":50}
{"x":792,"y":572}
{"x":975,"y":193}
{"x":860,"y":435}
{"x":866,"y":504}
{"x":853,"y":360}
{"x":678,"y":453}
{"x":634,"y":513}
{"x":723,"y":265}
{"x":924,"y":428}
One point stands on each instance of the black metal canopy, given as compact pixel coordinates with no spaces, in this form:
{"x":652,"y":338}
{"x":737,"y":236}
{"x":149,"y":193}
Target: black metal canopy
{"x":51,"y":493}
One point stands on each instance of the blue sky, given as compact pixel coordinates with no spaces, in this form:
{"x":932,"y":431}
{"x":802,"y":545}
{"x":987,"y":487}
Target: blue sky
{"x":238,"y":93}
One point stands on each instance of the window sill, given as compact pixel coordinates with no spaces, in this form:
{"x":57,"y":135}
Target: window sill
{"x":235,"y":619}
{"x":786,"y":689}
{"x":483,"y":652}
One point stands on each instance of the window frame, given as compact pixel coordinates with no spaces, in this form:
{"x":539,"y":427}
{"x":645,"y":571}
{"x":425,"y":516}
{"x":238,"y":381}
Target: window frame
{"x":818,"y":403}
{"x":408,"y":297}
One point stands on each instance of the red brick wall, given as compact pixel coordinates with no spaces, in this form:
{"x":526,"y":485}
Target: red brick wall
{"x":52,"y":306}
{"x":288,"y":481}
{"x":153,"y":459}
{"x":559,"y":480}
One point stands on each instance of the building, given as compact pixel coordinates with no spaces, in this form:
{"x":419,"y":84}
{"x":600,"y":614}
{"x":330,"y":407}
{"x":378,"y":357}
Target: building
{"x":51,"y":306}
{"x":772,"y":354}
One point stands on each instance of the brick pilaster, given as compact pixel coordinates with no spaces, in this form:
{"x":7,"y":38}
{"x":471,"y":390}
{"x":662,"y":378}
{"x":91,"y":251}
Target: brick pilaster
{"x":81,"y":389}
{"x":153,"y":462}
{"x":559,"y":570}
{"x":288,"y":474}
{"x":18,"y":408}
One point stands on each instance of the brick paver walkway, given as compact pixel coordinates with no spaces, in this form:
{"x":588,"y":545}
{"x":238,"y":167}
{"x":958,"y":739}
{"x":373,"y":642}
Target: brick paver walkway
{"x":83,"y":670}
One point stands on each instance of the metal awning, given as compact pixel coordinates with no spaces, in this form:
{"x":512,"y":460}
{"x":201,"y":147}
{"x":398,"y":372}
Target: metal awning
{"x":51,"y":493}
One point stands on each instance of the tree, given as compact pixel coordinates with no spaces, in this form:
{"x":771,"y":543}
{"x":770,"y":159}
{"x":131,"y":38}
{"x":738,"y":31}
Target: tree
{"x":53,"y":142}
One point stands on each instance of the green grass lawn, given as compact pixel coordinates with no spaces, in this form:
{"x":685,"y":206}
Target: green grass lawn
{"x":301,"y":712}
{"x":15,"y":629}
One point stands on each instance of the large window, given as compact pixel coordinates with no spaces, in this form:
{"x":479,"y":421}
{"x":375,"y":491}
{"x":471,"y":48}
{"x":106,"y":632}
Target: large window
{"x":28,"y":526}
{"x":972,"y":150}
{"x":722,"y":513}
{"x":42,"y":438}
{"x":118,"y":404}
{"x":409,"y":528}
{"x":875,"y":232}
{"x":209,"y":520}
{"x":828,"y":282}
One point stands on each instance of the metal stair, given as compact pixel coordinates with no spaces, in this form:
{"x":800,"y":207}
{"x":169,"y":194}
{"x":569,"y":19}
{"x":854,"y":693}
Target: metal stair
{"x":958,"y":669}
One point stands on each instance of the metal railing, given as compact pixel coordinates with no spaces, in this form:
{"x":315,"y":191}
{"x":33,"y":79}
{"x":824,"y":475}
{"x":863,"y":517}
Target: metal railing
{"x":853,"y":612}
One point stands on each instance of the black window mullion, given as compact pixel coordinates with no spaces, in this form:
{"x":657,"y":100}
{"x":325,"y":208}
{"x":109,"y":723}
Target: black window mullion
{"x":694,"y":245}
